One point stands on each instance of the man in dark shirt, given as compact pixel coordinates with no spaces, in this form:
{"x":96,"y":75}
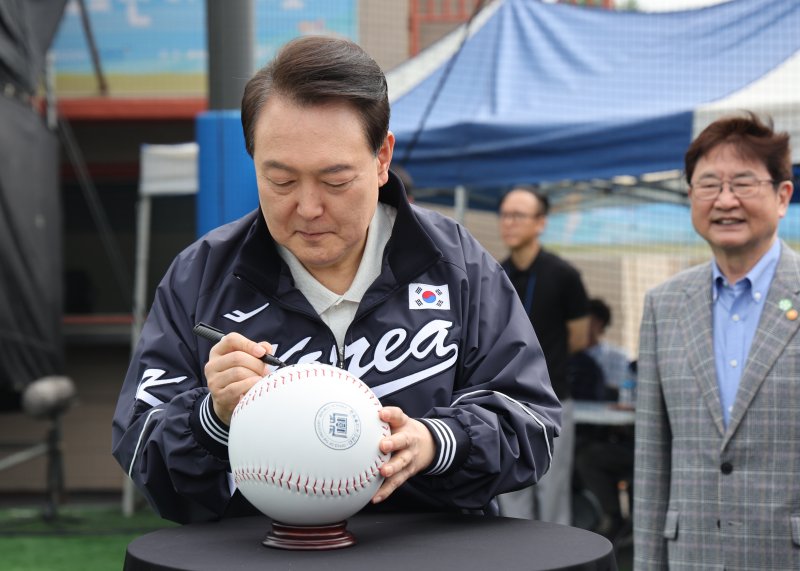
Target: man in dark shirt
{"x":555,"y":299}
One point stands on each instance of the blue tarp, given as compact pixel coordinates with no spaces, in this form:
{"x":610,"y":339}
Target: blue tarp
{"x":545,"y":92}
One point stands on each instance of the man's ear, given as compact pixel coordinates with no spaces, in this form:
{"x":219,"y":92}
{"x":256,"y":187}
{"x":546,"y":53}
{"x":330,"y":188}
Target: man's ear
{"x":385,"y":158}
{"x":785,"y":191}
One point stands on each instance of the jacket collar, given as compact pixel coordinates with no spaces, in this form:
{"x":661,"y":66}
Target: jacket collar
{"x":772,"y":335}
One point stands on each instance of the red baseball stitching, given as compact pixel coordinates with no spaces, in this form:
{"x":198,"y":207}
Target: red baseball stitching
{"x":343,"y":487}
{"x":280,"y":377}
{"x":318,"y":487}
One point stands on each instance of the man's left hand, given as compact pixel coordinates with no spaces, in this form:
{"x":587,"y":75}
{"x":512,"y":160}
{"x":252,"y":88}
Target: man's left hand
{"x":411,"y":446}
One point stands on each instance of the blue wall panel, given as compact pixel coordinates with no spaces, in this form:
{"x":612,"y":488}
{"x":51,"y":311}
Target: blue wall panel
{"x":227,"y":181}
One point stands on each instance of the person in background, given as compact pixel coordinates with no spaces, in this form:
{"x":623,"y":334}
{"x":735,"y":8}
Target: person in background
{"x":717,"y":433}
{"x":603,"y":465}
{"x":604,"y":454}
{"x":613,"y":361}
{"x":554,"y":298}
{"x":336,"y":266}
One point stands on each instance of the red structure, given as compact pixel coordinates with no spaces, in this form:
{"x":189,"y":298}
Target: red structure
{"x":426,"y":12}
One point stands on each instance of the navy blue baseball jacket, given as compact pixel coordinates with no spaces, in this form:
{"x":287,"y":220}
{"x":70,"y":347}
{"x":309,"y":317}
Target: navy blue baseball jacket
{"x":440,"y":333}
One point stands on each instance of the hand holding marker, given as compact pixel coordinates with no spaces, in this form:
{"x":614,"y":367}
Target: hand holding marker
{"x":215,"y":335}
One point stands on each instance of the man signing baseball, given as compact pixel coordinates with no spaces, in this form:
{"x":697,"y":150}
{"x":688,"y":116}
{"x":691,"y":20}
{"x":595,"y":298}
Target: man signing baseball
{"x":336,"y":266}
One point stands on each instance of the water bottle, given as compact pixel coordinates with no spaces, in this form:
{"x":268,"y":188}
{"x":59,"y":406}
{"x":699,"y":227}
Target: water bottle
{"x":627,"y":391}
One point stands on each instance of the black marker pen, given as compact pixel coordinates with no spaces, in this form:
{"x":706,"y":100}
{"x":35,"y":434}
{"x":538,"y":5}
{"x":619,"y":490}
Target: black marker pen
{"x":215,"y":335}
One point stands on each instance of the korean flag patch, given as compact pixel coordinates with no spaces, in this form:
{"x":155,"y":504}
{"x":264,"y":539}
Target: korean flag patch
{"x":426,"y":296}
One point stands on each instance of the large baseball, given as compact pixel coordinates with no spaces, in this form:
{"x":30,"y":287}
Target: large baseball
{"x":303,"y":444}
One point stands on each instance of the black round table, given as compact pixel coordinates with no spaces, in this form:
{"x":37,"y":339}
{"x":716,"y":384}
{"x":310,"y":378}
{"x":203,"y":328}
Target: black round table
{"x":388,"y":542}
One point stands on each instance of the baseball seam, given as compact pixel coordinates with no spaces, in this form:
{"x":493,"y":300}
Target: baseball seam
{"x":307,"y":484}
{"x":279,"y":379}
{"x":292,"y":482}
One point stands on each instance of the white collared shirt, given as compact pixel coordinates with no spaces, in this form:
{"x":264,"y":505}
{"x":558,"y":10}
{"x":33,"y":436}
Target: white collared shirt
{"x":337,"y":311}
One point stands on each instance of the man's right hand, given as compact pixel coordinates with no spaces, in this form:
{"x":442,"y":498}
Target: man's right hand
{"x":234,"y":365}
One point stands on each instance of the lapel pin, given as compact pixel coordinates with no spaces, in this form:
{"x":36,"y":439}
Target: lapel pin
{"x":791,"y":315}
{"x":785,"y":304}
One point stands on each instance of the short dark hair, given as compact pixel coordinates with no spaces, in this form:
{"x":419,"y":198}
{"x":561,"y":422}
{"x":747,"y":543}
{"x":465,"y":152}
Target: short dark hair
{"x":313,"y":70}
{"x":544,"y":202}
{"x":752,"y":138}
{"x":600,"y":309}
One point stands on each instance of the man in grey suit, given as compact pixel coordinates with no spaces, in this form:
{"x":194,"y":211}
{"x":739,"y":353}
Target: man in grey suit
{"x":717,"y":468}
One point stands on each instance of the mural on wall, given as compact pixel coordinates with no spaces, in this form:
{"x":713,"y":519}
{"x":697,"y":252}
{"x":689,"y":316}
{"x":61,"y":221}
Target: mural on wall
{"x":159,"y":46}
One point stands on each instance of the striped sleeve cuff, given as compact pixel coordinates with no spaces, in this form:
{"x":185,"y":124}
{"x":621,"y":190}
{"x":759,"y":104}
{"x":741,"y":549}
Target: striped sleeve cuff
{"x":208,"y":429}
{"x":451,"y":445}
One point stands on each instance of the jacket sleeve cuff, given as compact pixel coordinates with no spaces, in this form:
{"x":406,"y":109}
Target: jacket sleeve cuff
{"x":452,"y":445}
{"x":209,"y":431}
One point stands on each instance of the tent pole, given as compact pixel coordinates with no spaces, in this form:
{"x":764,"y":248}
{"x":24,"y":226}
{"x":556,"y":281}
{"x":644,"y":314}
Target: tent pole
{"x":143,"y":211}
{"x":98,"y":213}
{"x":461,"y":200}
{"x":87,"y":30}
{"x":230,"y":28}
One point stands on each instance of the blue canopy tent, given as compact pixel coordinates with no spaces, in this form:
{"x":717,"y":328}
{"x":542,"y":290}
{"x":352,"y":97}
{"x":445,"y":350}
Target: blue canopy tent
{"x":535,"y":92}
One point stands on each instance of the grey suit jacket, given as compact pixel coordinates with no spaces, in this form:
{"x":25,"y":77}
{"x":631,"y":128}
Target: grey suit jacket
{"x":707,"y":497}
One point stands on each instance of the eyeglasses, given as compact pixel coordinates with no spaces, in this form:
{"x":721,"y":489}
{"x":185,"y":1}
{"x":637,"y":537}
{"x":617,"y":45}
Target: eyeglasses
{"x":741,"y":187}
{"x":516,"y":216}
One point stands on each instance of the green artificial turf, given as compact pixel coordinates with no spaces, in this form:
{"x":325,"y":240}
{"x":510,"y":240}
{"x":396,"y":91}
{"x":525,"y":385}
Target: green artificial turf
{"x":81,"y":538}
{"x":90,"y":538}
